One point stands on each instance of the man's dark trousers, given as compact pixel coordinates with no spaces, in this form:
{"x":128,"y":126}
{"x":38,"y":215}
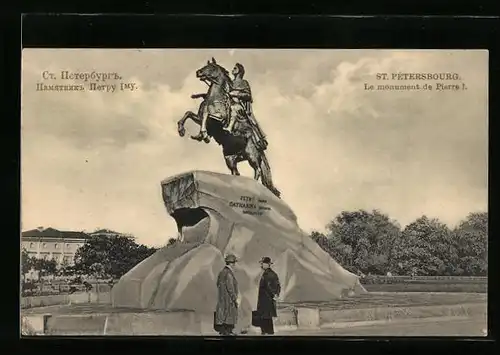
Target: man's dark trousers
{"x":266,"y":326}
{"x":225,"y":329}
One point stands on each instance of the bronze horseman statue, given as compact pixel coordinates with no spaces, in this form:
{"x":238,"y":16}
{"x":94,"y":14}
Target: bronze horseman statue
{"x":226,"y":115}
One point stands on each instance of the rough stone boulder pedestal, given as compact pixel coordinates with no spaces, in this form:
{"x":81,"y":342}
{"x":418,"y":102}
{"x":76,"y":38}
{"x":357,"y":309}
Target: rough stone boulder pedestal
{"x":218,"y":214}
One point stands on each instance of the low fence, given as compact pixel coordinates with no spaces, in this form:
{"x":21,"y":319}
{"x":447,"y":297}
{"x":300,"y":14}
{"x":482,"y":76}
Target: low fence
{"x":425,"y":284}
{"x":56,"y":288}
{"x":74,"y":298}
{"x":424,"y":279}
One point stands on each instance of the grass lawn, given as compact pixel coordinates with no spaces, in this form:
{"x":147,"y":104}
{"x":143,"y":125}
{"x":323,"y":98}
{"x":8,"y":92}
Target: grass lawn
{"x":372,"y":300}
{"x":428,"y":287}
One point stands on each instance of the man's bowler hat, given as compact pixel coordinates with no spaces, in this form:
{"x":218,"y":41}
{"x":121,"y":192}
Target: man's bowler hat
{"x":266,"y":260}
{"x":231,"y":258}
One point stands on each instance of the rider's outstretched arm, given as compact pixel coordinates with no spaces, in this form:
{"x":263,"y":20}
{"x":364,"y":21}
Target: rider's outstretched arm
{"x":244,"y":93}
{"x":241,"y":94}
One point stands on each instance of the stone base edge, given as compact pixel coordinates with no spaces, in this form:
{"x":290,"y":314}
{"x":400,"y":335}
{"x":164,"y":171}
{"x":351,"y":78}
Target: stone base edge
{"x":306,"y":318}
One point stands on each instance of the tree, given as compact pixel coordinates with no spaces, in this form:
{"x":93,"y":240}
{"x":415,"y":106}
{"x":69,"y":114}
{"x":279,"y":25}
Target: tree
{"x":321,"y":240}
{"x":369,"y":242}
{"x":44,"y":267}
{"x":471,"y":243}
{"x":98,"y":272}
{"x":172,"y":241}
{"x":425,"y":247}
{"x":333,"y":245}
{"x":26,"y":263}
{"x":64,"y":268}
{"x":68,"y":270}
{"x":117,"y":254}
{"x":362,"y":241}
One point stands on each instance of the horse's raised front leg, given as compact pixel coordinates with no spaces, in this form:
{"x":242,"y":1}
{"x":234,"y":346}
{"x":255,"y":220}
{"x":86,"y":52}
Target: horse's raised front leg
{"x":202,"y":121}
{"x":188,"y":115}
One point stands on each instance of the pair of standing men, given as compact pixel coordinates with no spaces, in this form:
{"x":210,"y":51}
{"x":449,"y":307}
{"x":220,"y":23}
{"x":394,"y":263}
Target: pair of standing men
{"x":226,"y":314}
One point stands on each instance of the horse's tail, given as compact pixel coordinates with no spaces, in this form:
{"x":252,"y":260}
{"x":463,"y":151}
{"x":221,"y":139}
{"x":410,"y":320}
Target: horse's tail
{"x":266,"y":176}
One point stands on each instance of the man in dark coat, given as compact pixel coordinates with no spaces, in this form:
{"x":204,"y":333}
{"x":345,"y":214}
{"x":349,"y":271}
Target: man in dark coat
{"x":226,"y":313}
{"x":269,"y":290}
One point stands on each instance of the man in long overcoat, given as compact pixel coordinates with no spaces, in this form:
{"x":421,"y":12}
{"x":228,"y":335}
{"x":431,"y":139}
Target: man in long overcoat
{"x":226,"y":312}
{"x":269,"y":290}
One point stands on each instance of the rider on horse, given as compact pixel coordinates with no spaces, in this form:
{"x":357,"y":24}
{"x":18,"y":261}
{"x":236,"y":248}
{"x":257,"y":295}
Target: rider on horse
{"x":225,"y":114}
{"x":241,"y":108}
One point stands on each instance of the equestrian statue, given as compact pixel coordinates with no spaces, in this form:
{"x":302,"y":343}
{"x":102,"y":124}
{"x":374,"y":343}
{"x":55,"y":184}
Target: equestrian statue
{"x":226,"y":115}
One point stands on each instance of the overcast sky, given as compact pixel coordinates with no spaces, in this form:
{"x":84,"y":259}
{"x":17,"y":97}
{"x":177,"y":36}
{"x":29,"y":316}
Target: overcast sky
{"x":94,"y":159}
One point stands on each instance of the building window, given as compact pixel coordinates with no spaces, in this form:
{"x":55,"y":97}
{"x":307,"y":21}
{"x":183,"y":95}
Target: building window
{"x":32,"y":245}
{"x":44,"y":245}
{"x":56,"y":246}
{"x":67,"y":245}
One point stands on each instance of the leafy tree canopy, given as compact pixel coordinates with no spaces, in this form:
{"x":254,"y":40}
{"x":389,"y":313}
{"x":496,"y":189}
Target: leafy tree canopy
{"x":362,"y":240}
{"x":116,"y":254}
{"x":370,"y":242}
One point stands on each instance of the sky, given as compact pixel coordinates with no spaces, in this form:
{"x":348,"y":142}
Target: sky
{"x":95,"y":159}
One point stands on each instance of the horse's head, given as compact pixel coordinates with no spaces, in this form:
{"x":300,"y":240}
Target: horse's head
{"x":213,"y":73}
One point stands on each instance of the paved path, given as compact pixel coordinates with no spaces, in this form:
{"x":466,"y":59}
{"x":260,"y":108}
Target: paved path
{"x":456,"y":327}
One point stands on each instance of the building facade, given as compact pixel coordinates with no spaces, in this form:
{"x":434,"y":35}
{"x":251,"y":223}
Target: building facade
{"x":50,"y":243}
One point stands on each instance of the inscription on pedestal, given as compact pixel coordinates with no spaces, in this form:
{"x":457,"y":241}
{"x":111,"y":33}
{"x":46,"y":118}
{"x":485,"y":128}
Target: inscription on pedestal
{"x":251,"y":205}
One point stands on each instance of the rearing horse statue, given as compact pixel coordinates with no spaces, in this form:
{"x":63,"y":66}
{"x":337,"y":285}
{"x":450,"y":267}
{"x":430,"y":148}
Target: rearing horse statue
{"x":213,"y":115}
